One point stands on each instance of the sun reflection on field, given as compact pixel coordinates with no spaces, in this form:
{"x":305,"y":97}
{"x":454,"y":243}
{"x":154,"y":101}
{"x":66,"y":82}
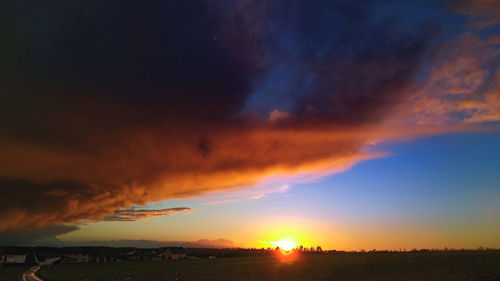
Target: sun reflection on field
{"x":286,"y":256}
{"x":286,"y":251}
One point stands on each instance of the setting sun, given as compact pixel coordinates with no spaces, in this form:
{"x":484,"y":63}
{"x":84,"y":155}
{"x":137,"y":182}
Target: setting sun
{"x":285,"y":245}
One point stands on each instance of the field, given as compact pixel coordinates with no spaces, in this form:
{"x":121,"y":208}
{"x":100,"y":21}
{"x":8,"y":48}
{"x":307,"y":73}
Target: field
{"x":343,"y":266}
{"x":12,"y":273}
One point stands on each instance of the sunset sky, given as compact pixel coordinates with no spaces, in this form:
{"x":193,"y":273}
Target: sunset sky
{"x":345,"y":124}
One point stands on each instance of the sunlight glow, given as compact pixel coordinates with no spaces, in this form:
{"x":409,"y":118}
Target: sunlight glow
{"x":285,"y":245}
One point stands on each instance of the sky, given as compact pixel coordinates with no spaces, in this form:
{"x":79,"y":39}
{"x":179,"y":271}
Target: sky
{"x":349,"y":125}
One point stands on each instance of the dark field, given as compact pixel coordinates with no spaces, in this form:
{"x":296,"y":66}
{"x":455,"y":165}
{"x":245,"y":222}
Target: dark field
{"x":483,"y":265}
{"x":12,"y":273}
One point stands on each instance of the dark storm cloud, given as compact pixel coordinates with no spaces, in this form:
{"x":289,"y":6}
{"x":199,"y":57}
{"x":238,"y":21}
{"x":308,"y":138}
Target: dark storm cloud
{"x":120,"y":65}
{"x":41,"y":236}
{"x":104,"y":105}
{"x":365,"y":70}
{"x":361,"y":56}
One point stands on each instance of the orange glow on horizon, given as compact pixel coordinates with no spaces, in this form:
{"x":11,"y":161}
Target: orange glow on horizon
{"x":288,"y":232}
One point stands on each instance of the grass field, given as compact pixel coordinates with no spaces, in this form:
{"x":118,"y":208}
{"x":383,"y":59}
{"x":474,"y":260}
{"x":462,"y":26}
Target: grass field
{"x":362,"y":266}
{"x":12,"y":273}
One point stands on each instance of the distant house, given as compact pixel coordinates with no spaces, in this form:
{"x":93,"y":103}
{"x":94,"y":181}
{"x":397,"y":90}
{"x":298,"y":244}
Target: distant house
{"x":97,"y":259}
{"x":157,"y":258}
{"x":14,"y":259}
{"x":177,"y":256}
{"x":134,"y":258}
{"x":114,"y":259}
{"x":75,"y":258}
{"x":161,"y":255}
{"x":141,"y":255}
{"x":172,"y":253}
{"x":131,"y":256}
{"x":192,"y":258}
{"x":177,"y":253}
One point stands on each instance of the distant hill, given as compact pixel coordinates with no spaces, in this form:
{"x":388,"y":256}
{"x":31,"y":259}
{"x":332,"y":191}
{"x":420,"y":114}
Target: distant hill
{"x":202,"y":243}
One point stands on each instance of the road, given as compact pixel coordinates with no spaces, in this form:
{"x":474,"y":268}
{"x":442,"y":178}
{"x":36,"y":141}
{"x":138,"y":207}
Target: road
{"x":30,"y":274}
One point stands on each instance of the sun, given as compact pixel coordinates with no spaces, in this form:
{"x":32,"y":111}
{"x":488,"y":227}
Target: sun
{"x":285,"y":245}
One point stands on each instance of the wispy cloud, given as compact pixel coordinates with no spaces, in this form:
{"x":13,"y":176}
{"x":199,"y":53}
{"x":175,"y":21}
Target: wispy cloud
{"x":482,"y":13}
{"x":249,"y":194}
{"x":222,"y":202}
{"x":256,"y":197}
{"x":136,"y":215}
{"x":263,"y":193}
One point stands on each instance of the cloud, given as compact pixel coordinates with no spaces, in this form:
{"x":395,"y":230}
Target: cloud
{"x":277,"y":115}
{"x":137,"y":215}
{"x":222,"y":202}
{"x":254,"y":193}
{"x":105,"y":106}
{"x":202,"y":243}
{"x":217,"y":243}
{"x":267,"y":190}
{"x":46,"y":235}
{"x":463,"y":86}
{"x":256,"y":197}
{"x":483,"y":13}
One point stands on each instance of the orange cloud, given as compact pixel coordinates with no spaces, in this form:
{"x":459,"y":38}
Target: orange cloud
{"x":256,"y":197}
{"x":483,"y":13}
{"x":221,"y":202}
{"x":277,"y":115}
{"x":463,"y":85}
{"x":144,"y":167}
{"x":136,"y":215}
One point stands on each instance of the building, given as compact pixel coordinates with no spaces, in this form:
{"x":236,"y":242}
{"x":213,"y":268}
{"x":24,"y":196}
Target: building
{"x":75,"y":258}
{"x":157,"y":258}
{"x":141,"y":255}
{"x":177,"y":256}
{"x":177,"y":253}
{"x":97,"y":259}
{"x":14,"y":259}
